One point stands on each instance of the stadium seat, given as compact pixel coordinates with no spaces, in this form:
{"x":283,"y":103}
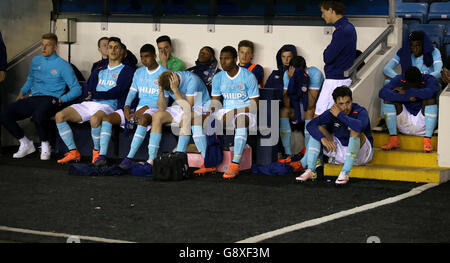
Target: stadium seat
{"x":440,"y":14}
{"x":434,"y":31}
{"x":439,"y":10}
{"x":412,"y":11}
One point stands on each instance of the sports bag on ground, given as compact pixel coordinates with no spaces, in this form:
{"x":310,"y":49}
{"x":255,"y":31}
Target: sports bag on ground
{"x":171,"y":167}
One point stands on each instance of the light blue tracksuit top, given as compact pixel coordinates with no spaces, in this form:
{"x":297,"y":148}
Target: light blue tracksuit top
{"x":48,"y":77}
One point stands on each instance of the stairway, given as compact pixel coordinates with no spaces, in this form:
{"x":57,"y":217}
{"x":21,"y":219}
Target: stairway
{"x":409,"y":163}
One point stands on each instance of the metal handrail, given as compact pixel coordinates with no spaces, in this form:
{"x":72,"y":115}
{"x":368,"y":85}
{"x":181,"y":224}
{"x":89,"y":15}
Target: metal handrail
{"x":23,"y":54}
{"x":381,"y":39}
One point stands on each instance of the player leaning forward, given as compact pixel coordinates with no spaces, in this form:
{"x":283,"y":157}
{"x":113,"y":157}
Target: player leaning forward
{"x":344,"y":131}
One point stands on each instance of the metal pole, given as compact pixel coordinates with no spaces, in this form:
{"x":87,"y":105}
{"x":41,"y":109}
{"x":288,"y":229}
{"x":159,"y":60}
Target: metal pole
{"x":391,"y":11}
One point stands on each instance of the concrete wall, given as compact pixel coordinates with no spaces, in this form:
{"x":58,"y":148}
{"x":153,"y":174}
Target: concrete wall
{"x":189,"y":38}
{"x":23,"y":22}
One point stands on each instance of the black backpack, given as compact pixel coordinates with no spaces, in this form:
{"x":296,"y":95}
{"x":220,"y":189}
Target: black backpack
{"x":171,"y":167}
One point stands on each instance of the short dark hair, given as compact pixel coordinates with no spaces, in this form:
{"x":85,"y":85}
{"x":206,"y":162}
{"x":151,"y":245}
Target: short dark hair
{"x":337,"y":6}
{"x":115,"y":39}
{"x":163,"y":39}
{"x":298,"y":62}
{"x":229,"y":49}
{"x":417,"y":36}
{"x":342,"y":91}
{"x":164,"y":80}
{"x":102,"y":38}
{"x":148,"y":48}
{"x":413,"y":75}
{"x":50,"y":36}
{"x":246,"y":43}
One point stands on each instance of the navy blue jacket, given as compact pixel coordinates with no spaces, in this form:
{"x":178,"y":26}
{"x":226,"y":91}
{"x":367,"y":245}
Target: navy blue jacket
{"x":3,"y":60}
{"x":427,"y":90}
{"x":298,"y":92}
{"x":119,"y":92}
{"x":357,"y":120}
{"x":275,"y":80}
{"x":404,"y":53}
{"x":341,"y":52}
{"x":258,"y":71}
{"x":206,"y":72}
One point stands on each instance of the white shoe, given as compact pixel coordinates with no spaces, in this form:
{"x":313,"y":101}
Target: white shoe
{"x":46,"y":152}
{"x":342,"y":179}
{"x":24,"y":150}
{"x":308,"y":174}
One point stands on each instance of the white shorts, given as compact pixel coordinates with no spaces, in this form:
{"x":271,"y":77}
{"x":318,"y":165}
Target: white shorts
{"x":150,"y":111}
{"x":177,"y":112}
{"x":410,"y":124}
{"x":325,"y":100}
{"x":364,"y":156}
{"x":231,"y":123}
{"x":88,"y":108}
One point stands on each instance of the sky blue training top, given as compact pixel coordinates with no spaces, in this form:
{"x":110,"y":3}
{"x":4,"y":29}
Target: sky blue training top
{"x":192,"y":85}
{"x":48,"y":77}
{"x":145,"y":85}
{"x":236,"y":91}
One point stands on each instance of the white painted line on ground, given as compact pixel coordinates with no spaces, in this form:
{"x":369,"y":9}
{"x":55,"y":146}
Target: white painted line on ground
{"x":63,"y":235}
{"x":321,"y":220}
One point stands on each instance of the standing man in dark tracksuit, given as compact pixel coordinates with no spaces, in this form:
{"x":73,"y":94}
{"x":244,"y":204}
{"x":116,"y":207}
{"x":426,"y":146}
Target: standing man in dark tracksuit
{"x":339,"y":54}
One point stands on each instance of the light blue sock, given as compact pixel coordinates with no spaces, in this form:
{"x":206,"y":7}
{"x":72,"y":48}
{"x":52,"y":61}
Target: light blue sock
{"x":354,"y":145}
{"x":240,"y":139}
{"x":183,"y":141}
{"x":431,"y":112}
{"x":138,"y":138}
{"x":95,"y":133}
{"x":105,"y":136}
{"x":314,"y":149}
{"x":66,"y":135}
{"x":285,"y":134}
{"x":199,"y":139}
{"x":153,"y":145}
{"x":391,"y":118}
{"x":304,"y":160}
{"x":382,"y":109}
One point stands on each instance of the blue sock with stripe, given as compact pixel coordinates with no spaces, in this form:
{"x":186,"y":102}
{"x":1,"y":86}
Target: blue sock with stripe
{"x":391,"y":118}
{"x":105,"y":136}
{"x":431,"y":112}
{"x":285,"y":134}
{"x":240,"y":139}
{"x":354,"y":145}
{"x":138,"y":138}
{"x":65,"y":132}
{"x":95,"y":133}
{"x":199,"y":139}
{"x":153,"y":145}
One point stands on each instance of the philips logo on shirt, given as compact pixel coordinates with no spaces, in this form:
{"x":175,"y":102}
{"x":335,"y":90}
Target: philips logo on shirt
{"x":105,"y":82}
{"x":234,"y":96}
{"x":148,"y":90}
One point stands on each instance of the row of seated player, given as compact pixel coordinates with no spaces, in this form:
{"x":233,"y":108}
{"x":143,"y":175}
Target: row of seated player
{"x":101,"y":87}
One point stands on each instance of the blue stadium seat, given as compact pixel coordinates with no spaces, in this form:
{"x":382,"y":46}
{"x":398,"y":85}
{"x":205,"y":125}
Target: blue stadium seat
{"x":412,"y":11}
{"x":439,"y":10}
{"x":440,"y":14}
{"x":434,"y":31}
